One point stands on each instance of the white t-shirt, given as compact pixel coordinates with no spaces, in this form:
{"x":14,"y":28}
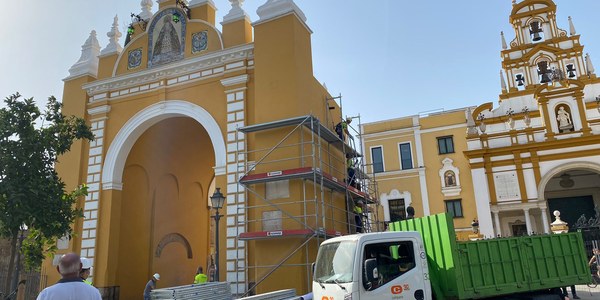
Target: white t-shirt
{"x":70,"y":290}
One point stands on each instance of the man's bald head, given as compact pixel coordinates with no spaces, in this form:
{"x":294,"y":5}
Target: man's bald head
{"x":69,"y":265}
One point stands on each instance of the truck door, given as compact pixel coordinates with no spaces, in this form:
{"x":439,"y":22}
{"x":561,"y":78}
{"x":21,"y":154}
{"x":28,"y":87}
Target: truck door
{"x":399,"y":273}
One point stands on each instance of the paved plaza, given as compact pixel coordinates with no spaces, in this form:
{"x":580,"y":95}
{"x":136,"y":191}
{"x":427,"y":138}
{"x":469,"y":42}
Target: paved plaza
{"x":587,"y":293}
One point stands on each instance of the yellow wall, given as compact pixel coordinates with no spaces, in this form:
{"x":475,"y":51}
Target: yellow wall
{"x":284,"y":81}
{"x":390,"y":133}
{"x":169,"y":170}
{"x":165,"y":194}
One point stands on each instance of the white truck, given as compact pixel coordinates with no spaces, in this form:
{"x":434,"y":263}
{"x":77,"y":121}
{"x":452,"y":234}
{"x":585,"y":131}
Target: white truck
{"x":346,"y":268}
{"x":421,"y":259}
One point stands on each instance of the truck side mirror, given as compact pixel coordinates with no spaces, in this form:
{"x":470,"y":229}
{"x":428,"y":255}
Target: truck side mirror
{"x":371,"y":270}
{"x":312,"y":267}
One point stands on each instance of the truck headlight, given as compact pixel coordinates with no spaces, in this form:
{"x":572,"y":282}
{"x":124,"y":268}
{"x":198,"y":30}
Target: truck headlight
{"x":348,"y":296}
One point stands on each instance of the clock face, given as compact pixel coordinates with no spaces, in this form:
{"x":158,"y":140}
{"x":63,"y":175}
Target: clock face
{"x":134,"y":59}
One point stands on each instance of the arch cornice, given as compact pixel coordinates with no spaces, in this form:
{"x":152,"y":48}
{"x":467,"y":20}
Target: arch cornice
{"x":562,"y":168}
{"x":545,"y":91}
{"x":114,"y":163}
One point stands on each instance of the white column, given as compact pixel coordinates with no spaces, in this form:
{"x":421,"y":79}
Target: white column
{"x":235,"y":93}
{"x":420,"y":163}
{"x":480,"y":187}
{"x":527,"y":220}
{"x":497,"y":221}
{"x":545,"y":220}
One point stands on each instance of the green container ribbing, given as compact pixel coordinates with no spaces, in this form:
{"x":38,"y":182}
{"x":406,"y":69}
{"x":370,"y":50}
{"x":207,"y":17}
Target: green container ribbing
{"x":493,"y":267}
{"x":438,"y":236}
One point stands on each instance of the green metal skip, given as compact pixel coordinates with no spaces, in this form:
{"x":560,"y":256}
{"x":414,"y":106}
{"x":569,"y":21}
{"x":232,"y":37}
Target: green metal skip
{"x":499,"y":266}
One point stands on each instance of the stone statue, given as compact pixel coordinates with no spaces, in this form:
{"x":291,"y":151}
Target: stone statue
{"x":564,"y":120}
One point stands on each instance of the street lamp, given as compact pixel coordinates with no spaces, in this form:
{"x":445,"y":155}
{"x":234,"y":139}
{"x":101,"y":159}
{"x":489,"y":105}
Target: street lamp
{"x":217,"y":200}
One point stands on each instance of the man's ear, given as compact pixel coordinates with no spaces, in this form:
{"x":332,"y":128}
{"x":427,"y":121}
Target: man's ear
{"x":57,"y":269}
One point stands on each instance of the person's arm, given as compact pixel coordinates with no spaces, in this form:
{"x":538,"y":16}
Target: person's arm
{"x":348,"y":133}
{"x":97,"y":295}
{"x":592,"y":260}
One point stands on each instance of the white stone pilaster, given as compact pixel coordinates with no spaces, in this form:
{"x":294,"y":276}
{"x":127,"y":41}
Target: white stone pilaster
{"x":420,"y":164}
{"x":482,"y":201}
{"x":527,"y":220}
{"x":497,"y":222}
{"x":545,"y":221}
{"x":94,"y":182}
{"x":236,"y":253}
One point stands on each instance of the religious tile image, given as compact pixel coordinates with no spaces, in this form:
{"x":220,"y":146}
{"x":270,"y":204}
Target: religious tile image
{"x":166,"y":38}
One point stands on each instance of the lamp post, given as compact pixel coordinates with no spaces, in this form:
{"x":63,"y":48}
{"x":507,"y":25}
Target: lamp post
{"x":217,"y":200}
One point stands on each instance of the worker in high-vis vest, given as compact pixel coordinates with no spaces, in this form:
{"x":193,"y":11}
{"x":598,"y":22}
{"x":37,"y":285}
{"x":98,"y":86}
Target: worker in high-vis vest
{"x":358,"y":214}
{"x":341,"y":129}
{"x":86,"y":270}
{"x":200,"y":276}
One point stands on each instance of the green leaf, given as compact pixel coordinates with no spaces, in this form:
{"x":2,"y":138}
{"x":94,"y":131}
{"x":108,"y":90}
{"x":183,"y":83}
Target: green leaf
{"x":31,"y":192}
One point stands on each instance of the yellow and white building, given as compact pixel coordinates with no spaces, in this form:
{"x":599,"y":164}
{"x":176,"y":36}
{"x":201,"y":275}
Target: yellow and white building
{"x":418,"y":161}
{"x":539,"y":150}
{"x":167,"y":110}
{"x":536,"y":152}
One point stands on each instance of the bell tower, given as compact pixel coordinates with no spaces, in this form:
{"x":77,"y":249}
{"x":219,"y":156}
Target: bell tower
{"x":548,"y":106}
{"x":540,"y":50}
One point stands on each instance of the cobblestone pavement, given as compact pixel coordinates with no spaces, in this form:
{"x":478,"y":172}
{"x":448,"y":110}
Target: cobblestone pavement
{"x":586,"y":293}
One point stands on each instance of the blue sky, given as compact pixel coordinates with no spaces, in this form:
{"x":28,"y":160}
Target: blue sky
{"x":388,"y":58}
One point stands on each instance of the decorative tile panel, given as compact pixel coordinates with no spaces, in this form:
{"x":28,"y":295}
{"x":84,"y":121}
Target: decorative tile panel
{"x":199,"y":41}
{"x":134,"y":58}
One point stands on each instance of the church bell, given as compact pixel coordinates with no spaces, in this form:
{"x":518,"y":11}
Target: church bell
{"x":535,"y":31}
{"x":571,"y":71}
{"x":520,"y":80}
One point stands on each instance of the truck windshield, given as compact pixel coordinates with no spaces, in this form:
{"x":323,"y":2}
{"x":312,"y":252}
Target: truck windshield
{"x":335,"y":262}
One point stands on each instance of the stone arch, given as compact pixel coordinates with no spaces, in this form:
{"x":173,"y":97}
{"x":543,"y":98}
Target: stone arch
{"x":562,"y":168}
{"x":114,"y":163}
{"x":174,"y":238}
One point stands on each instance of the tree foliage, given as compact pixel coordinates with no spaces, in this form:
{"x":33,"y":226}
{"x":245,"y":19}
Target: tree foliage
{"x":31,"y":192}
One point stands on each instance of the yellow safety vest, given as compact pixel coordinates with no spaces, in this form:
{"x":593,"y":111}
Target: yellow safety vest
{"x":200,"y":278}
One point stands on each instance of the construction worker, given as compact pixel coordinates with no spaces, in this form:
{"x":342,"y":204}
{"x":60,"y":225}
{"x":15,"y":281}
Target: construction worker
{"x":151,"y":285}
{"x":200,"y":276}
{"x":358,"y":214}
{"x":86,"y":269}
{"x":342,"y":127}
{"x":350,"y":170}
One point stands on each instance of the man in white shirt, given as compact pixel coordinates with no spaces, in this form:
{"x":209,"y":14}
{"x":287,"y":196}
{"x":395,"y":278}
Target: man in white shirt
{"x":71,"y":286}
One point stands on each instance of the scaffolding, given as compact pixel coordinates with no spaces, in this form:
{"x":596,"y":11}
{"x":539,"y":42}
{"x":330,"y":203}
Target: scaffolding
{"x":301,"y":191}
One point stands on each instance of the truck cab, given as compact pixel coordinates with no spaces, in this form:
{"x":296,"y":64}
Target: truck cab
{"x":385,"y":265}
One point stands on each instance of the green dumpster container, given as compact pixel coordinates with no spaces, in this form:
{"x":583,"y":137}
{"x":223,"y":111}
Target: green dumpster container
{"x":499,"y":266}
